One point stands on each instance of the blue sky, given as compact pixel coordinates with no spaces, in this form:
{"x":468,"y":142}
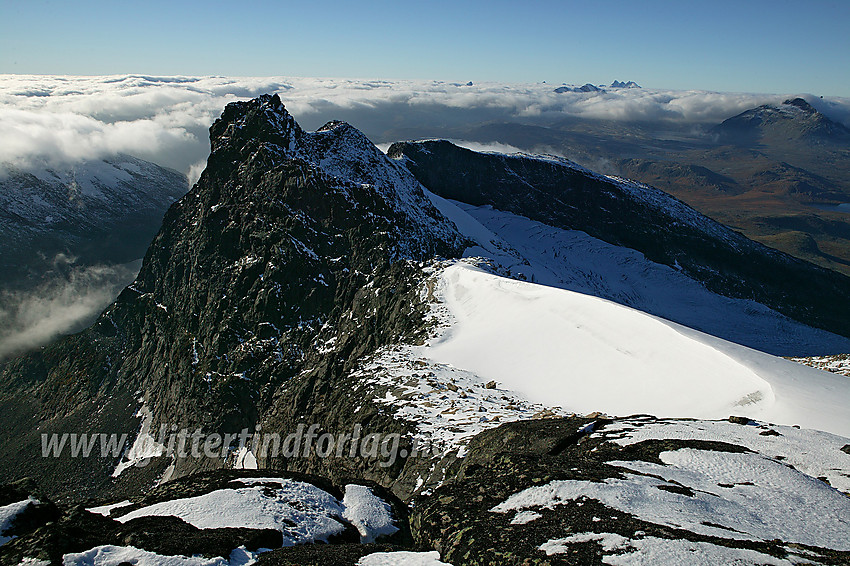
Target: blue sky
{"x":746,"y":45}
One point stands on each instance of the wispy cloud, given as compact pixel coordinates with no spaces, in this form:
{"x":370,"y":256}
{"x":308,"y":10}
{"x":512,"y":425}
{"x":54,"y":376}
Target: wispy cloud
{"x":32,"y":318}
{"x":165,"y":119}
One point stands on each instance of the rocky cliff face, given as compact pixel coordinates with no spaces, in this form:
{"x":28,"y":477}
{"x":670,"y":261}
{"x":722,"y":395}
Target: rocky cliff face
{"x":295,"y":255}
{"x":559,"y":193}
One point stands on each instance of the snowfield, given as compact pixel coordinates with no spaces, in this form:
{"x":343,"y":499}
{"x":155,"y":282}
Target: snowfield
{"x":571,"y":259}
{"x":585,"y":354}
{"x":594,"y":332}
{"x":505,"y":350}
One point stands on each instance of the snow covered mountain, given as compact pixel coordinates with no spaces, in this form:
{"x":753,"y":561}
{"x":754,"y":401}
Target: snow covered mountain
{"x":621,"y":84}
{"x":101,"y":211}
{"x":310,"y":283}
{"x":584,"y":88}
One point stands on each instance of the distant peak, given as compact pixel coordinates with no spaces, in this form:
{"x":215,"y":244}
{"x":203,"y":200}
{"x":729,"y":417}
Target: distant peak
{"x":620,"y":84}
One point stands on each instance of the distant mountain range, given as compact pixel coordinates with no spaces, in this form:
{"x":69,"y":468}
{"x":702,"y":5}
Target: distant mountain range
{"x":586,"y":88}
{"x":620,"y":84}
{"x":593,"y":88}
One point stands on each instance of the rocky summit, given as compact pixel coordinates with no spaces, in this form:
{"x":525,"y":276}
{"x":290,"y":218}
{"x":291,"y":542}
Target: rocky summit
{"x":336,"y":356}
{"x":795,"y":120}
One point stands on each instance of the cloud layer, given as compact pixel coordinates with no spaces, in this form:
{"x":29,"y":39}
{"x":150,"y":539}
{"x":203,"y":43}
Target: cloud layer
{"x":165,"y":119}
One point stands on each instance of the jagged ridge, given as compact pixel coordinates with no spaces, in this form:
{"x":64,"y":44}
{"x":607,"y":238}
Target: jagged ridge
{"x":267,"y":282}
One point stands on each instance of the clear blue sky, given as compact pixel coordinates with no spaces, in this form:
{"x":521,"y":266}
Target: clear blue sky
{"x":745,"y":45}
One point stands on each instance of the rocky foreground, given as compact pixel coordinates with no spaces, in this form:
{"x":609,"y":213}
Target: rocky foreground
{"x":572,"y":490}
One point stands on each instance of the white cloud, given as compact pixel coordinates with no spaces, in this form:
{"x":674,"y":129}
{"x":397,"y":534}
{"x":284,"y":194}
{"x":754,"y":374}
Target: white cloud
{"x":165,"y":119}
{"x":484,"y":147}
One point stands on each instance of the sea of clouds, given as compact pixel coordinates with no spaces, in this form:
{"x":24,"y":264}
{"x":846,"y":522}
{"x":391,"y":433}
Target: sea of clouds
{"x":60,"y":120}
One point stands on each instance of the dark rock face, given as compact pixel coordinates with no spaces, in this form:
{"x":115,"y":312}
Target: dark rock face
{"x":636,"y":216}
{"x":289,"y":242}
{"x":323,"y":555}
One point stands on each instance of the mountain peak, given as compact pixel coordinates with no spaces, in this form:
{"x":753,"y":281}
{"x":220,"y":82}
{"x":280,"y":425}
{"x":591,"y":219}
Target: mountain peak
{"x":794,"y":119}
{"x":801,"y":104}
{"x":262,"y":119}
{"x":621,"y":84}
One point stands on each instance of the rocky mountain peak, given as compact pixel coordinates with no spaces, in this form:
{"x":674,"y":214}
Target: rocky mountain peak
{"x":263,"y":119}
{"x":262,"y":130}
{"x":801,"y":104}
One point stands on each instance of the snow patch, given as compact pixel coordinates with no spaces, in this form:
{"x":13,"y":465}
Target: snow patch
{"x":371,"y":515}
{"x":402,"y":558}
{"x":814,"y":453}
{"x":313,"y":512}
{"x":105,"y":510}
{"x":144,"y":447}
{"x":109,"y":555}
{"x":8,"y":514}
{"x":653,"y":550}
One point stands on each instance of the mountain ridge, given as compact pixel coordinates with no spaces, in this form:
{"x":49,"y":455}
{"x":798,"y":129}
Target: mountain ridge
{"x":560,"y":194}
{"x":98,"y":211}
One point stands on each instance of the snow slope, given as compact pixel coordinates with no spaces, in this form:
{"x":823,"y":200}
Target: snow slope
{"x":583,"y":353}
{"x":595,"y":332}
{"x":571,"y":259}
